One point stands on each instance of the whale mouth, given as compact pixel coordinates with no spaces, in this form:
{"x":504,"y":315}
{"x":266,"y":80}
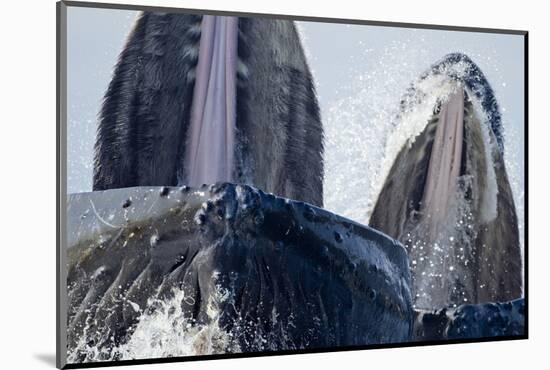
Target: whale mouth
{"x":432,"y":172}
{"x":211,"y":138}
{"x":446,"y":196}
{"x":446,"y":163}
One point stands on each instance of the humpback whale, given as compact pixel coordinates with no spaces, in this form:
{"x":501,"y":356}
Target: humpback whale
{"x":447,"y":197}
{"x":201,"y":99}
{"x":173,"y":271}
{"x":167,"y":271}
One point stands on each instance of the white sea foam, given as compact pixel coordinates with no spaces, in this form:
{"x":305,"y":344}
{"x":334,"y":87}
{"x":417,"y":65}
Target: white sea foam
{"x":166,"y":331}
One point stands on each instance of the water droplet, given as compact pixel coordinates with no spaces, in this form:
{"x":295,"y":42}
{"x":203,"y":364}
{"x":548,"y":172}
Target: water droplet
{"x":207,"y":206}
{"x":200,"y":218}
{"x":164,"y":191}
{"x":154,"y":240}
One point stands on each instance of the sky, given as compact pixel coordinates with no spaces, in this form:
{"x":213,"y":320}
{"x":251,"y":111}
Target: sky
{"x":360,"y":74}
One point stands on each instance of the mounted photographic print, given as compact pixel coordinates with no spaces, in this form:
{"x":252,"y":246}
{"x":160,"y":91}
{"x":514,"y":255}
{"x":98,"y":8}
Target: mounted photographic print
{"x":234,"y":184}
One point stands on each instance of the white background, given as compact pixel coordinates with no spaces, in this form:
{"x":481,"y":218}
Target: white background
{"x":27,"y":269}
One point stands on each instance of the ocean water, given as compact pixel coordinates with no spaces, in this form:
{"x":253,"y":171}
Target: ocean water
{"x":363,"y":128}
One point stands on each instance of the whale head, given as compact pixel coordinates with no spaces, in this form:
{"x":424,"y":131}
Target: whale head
{"x":447,"y":196}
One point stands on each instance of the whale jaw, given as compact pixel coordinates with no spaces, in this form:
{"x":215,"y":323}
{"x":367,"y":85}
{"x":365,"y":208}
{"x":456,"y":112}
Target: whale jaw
{"x":448,"y":200}
{"x":211,"y":142}
{"x":444,"y":164}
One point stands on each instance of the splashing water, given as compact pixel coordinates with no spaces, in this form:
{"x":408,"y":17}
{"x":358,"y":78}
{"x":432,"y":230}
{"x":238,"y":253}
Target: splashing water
{"x":365,"y":129}
{"x":164,"y":330}
{"x":365,"y":133}
{"x":441,"y":264}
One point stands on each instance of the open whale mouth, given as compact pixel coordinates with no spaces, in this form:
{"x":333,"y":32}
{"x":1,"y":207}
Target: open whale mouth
{"x":445,"y":162}
{"x":446,"y":196}
{"x":456,"y":173}
{"x":442,"y":219}
{"x":211,"y":140}
{"x":432,"y":174}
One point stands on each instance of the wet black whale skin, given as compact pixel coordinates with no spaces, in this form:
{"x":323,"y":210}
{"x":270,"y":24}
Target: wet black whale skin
{"x":296,"y":276}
